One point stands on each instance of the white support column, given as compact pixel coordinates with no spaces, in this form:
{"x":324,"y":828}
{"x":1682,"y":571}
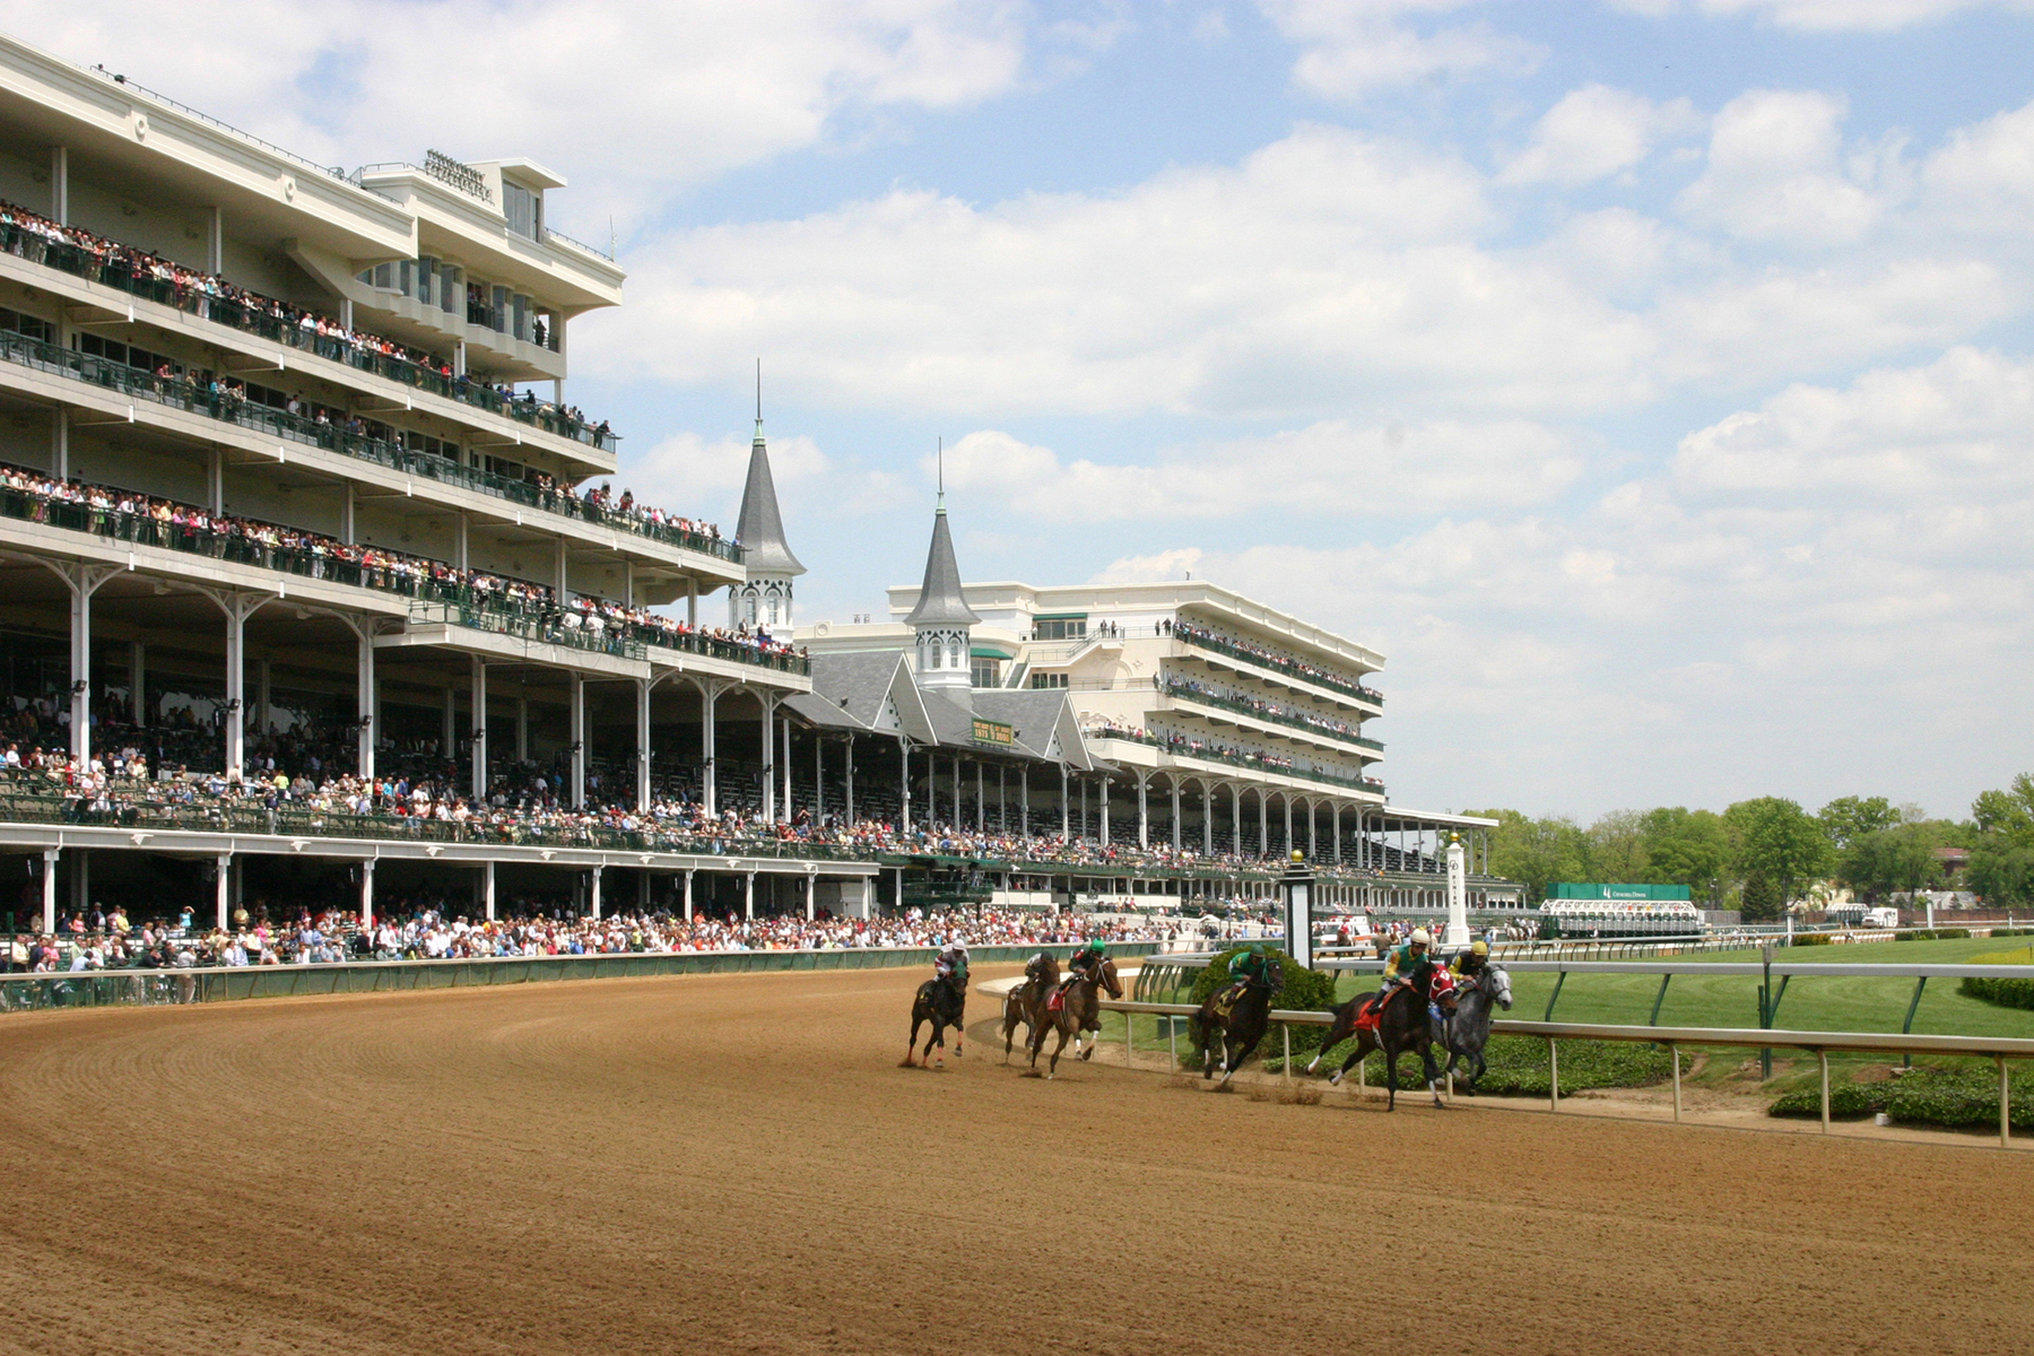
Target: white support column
{"x":137,"y":682}
{"x":215,"y":480}
{"x":60,"y":185}
{"x":818,"y":775}
{"x":448,"y":736}
{"x":1175,"y":812}
{"x":688,"y":896}
{"x":868,"y":896}
{"x":487,"y":895}
{"x":709,"y":697}
{"x":560,"y":575}
{"x":1002,"y":799}
{"x":1236,"y":818}
{"x":850,"y":807}
{"x":1263,"y":824}
{"x":981,"y":800}
{"x":1287,"y":798}
{"x":366,"y":893}
{"x":479,"y":729}
{"x":628,"y":582}
{"x":904,"y":784}
{"x":784,"y":758}
{"x":60,"y":444}
{"x":642,"y":745}
{"x":692,"y":603}
{"x":810,"y":912}
{"x":1024,"y":802}
{"x":238,"y":607}
{"x":215,"y":243}
{"x":593,"y":891}
{"x":49,"y":888}
{"x":769,"y":705}
{"x":578,"y":736}
{"x":956,"y":821}
{"x":522,"y":729}
{"x":83,"y":581}
{"x":1143,"y":810}
{"x":1338,"y":833}
{"x":749,"y":895}
{"x":1065,"y":810}
{"x":460,"y":543}
{"x":222,"y":886}
{"x":1313,"y":836}
{"x":1207,"y":820}
{"x":348,"y":531}
{"x":264,"y":688}
{"x":1103,"y":788}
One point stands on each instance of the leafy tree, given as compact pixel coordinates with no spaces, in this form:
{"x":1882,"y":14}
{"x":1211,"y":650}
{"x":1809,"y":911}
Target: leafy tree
{"x":1760,"y":900}
{"x":2007,"y":815}
{"x":1878,"y":863}
{"x":1849,"y":818}
{"x":2001,"y":872}
{"x":1535,"y":852}
{"x":1777,"y":841}
{"x":1686,"y":847}
{"x":1615,"y":848}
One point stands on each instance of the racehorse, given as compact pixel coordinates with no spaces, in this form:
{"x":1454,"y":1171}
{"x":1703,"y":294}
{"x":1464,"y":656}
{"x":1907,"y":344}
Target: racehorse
{"x":1079,"y":1011}
{"x":1240,"y":1026}
{"x":1464,"y":1032}
{"x":1401,"y":1026}
{"x":941,"y":1002}
{"x":1026,"y":1004}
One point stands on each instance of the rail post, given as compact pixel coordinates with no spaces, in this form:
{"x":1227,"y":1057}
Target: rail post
{"x":1285,"y":1070}
{"x":1906,"y":1027}
{"x":1172,"y":1039}
{"x":1823,"y":1057}
{"x":1766,"y":1009}
{"x":2005,"y":1107}
{"x":1553,"y":1074}
{"x":1129,"y":1051}
{"x":1675,"y":1051}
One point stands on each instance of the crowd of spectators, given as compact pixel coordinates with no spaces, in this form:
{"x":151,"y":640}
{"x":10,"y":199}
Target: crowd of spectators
{"x":151,"y":521}
{"x":1194,"y":746}
{"x":102,"y":939}
{"x":29,"y":235}
{"x":1281,"y":660}
{"x":1176,"y":686}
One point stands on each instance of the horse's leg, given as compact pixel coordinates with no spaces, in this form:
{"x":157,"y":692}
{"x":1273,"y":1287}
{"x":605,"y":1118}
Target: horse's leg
{"x":1390,"y":1077}
{"x":911,"y":1045}
{"x":1337,"y":1033}
{"x":1009,"y":1029}
{"x":1052,"y":1066}
{"x":1433,"y":1073}
{"x":960,"y":1026}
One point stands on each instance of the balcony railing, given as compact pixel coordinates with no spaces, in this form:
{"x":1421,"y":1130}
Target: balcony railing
{"x":113,"y":272}
{"x":1277,"y":715}
{"x":439,"y":593}
{"x":181,"y":394}
{"x":1183,"y":748}
{"x":1305,"y":673}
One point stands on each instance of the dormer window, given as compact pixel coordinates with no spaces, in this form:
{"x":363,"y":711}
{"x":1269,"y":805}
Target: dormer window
{"x":524,"y":209}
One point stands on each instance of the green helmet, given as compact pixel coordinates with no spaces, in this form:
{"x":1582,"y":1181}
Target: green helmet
{"x":1095,"y":946}
{"x":1258,"y":951}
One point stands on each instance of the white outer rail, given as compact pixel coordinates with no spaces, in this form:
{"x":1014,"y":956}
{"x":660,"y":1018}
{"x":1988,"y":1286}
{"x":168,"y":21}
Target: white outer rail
{"x":1998,"y":1048}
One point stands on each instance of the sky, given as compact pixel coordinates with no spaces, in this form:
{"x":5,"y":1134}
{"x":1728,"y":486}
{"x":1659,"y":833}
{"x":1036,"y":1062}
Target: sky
{"x":1650,"y":381}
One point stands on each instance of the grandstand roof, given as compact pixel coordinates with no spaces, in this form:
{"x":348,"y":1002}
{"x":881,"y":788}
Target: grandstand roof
{"x":940,"y":600}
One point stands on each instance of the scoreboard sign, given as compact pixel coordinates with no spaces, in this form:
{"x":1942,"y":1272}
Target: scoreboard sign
{"x":990,"y":732}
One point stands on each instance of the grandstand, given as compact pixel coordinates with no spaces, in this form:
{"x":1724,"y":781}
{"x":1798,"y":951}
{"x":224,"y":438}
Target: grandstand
{"x":316,"y":583}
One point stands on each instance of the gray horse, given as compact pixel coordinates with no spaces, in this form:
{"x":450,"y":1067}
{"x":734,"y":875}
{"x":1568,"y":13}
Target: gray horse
{"x":1464,"y":1032}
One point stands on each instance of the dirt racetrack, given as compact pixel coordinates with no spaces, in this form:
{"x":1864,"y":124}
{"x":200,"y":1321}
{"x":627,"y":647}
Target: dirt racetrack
{"x":736,"y":1163}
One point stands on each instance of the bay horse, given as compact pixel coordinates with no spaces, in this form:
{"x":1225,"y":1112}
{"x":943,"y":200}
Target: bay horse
{"x":1401,"y":1026}
{"x":1079,"y":1011}
{"x":942,"y":1002}
{"x":1240,"y":1027}
{"x":1464,"y":1032}
{"x":1025,"y":1004}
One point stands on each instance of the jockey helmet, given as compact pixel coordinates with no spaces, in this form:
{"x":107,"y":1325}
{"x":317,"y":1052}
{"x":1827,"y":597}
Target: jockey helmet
{"x":1421,"y":937}
{"x":1480,"y":947}
{"x":1095,"y":946}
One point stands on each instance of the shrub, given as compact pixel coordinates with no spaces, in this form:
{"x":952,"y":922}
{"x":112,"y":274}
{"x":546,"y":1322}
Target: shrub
{"x":1299,"y":989}
{"x":2006,"y":993}
{"x":1953,"y":1098}
{"x":1518,"y":1065}
{"x":1812,"y":939}
{"x":1930,"y":934}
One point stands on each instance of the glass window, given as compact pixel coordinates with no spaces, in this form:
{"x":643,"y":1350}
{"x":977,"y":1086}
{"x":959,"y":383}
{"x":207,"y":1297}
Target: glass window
{"x":986,"y":673}
{"x":522,"y":208}
{"x":1062,"y":628}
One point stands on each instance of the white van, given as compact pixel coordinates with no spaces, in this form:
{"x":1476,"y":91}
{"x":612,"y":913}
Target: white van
{"x":1882,"y":918}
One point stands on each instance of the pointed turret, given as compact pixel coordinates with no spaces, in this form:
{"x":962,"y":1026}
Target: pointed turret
{"x":942,"y":619}
{"x":765,"y":598}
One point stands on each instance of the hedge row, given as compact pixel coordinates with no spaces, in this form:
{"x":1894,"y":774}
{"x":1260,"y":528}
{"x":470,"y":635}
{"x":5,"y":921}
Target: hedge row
{"x":2006,"y":993}
{"x":1812,"y":939}
{"x":1299,"y":989}
{"x":1518,"y":1065}
{"x":1930,"y":934}
{"x":1944,"y":1097}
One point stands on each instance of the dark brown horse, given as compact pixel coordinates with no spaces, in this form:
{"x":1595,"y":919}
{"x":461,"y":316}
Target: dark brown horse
{"x":1079,"y":1012}
{"x":941,"y":1002}
{"x":1025,"y":1004}
{"x":1401,"y":1026}
{"x":1230,"y":1031}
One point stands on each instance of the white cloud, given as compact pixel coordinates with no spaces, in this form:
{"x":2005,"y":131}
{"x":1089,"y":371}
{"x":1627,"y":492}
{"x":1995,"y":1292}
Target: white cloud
{"x":1352,"y":49}
{"x":1594,"y":132}
{"x":1386,"y":471}
{"x":629,"y":101}
{"x":1982,"y":179}
{"x":1831,"y":16}
{"x":1776,"y":172}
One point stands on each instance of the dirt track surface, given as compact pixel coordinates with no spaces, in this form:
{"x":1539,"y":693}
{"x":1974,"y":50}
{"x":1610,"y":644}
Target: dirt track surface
{"x":736,"y":1163}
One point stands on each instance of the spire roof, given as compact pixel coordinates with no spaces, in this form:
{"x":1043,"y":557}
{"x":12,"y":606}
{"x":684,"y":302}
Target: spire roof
{"x":940,"y":601}
{"x":760,"y":529}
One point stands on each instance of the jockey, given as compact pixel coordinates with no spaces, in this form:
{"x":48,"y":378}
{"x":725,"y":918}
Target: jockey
{"x":952,"y":963}
{"x":1086,"y":963}
{"x":1038,"y":971}
{"x":1254,"y":966}
{"x":1469,"y":964}
{"x":1406,"y":965}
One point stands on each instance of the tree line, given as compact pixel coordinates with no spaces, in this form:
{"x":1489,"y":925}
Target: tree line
{"x":1758,"y":854}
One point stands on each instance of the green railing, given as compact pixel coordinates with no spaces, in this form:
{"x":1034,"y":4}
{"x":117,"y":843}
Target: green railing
{"x":1214,"y":644}
{"x":1277,"y":715}
{"x":1181,"y":748}
{"x":123,"y":988}
{"x":122,"y":276}
{"x":180,"y":394}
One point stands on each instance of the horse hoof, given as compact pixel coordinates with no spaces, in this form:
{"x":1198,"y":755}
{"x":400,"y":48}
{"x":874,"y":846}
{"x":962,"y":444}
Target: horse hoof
{"x":1335,"y":1079}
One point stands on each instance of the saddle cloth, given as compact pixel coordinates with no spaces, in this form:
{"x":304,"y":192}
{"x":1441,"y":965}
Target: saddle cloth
{"x":1057,"y":1001}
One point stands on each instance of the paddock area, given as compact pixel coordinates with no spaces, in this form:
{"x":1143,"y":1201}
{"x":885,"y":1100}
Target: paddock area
{"x":737,"y":1163}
